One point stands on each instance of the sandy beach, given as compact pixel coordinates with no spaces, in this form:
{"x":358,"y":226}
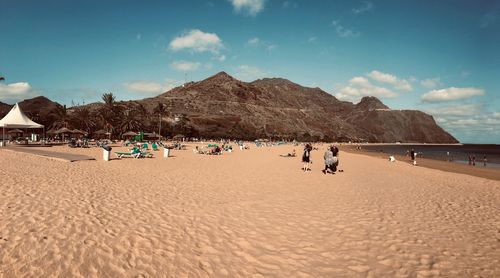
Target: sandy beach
{"x":248,"y":213}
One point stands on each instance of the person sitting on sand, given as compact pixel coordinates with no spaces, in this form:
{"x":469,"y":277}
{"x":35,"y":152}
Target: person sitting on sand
{"x":332,"y":167}
{"x":329,"y":161}
{"x":306,"y":157}
{"x":336,"y":160}
{"x":292,"y":154}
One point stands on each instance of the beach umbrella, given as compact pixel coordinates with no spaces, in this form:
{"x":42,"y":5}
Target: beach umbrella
{"x":178,"y":136}
{"x":15,"y":131}
{"x":52,"y":131}
{"x":149,"y":134}
{"x":100,"y":132}
{"x":77,"y":131}
{"x":130,"y":133}
{"x":64,"y":130}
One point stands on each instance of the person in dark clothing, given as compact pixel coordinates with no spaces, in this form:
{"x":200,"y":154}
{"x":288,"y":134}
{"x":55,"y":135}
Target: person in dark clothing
{"x":306,"y":157}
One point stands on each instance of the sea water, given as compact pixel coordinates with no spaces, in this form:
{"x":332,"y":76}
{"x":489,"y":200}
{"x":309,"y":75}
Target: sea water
{"x":455,"y":153}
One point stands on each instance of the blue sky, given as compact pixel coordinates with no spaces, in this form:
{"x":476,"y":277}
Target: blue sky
{"x":441,"y":57}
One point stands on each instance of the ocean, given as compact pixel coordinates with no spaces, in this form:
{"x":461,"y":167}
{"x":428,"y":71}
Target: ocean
{"x":454,"y":153}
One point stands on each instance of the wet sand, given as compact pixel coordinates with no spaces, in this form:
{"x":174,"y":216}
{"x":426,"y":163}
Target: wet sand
{"x":479,"y":170}
{"x":248,"y":213}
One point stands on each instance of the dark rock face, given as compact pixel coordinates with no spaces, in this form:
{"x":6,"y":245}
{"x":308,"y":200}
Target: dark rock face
{"x":4,"y":109}
{"x":222,"y":106}
{"x":370,"y":103}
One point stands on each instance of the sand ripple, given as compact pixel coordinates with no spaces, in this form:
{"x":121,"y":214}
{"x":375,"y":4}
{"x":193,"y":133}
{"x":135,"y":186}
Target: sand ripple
{"x":245,"y":214}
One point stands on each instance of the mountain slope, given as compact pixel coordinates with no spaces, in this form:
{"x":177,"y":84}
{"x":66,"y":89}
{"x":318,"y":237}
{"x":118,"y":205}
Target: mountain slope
{"x":222,"y":106}
{"x":274,"y":107}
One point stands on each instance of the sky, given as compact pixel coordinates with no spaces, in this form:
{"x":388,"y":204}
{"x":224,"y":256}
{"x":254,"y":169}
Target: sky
{"x":440,"y":57}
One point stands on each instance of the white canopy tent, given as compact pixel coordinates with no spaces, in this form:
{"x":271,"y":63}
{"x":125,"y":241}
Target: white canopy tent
{"x":17,"y":119}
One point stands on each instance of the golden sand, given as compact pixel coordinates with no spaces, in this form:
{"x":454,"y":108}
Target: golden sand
{"x":248,"y":213}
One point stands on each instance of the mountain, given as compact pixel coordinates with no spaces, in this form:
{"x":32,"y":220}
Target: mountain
{"x":39,"y":109}
{"x":224,"y":107}
{"x":4,"y":108}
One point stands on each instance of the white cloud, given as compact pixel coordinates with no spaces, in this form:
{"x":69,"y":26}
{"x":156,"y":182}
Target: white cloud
{"x":197,"y":41}
{"x":359,"y":87}
{"x":252,"y":7}
{"x":150,"y":87}
{"x":343,"y":31}
{"x":257,"y":42}
{"x":367,"y":6}
{"x":467,"y":126}
{"x":185,"y":66}
{"x":456,"y":110}
{"x":222,"y":58}
{"x":271,"y":47}
{"x":250,"y":73}
{"x":311,"y":39}
{"x":254,"y":42}
{"x":430,"y":83}
{"x":452,"y":93}
{"x":400,"y":84}
{"x":16,"y":91}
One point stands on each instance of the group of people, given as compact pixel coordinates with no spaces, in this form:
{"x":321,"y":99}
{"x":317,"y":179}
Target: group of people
{"x":330,"y":157}
{"x":79,"y":143}
{"x":472,"y":160}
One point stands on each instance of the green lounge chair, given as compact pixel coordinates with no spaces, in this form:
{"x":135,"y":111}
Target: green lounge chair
{"x":154,"y":147}
{"x":135,"y":153}
{"x":146,"y":154}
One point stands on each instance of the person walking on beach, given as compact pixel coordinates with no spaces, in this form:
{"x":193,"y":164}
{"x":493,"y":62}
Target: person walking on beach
{"x":306,"y":157}
{"x":473,"y":160}
{"x":470,"y":159}
{"x":412,"y":154}
{"x":485,"y":160}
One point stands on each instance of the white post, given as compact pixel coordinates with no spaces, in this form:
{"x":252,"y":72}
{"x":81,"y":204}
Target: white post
{"x":166,"y":152}
{"x":106,"y":155}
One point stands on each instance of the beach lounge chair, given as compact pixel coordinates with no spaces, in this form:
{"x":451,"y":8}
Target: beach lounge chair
{"x":135,"y":153}
{"x":145,"y":146}
{"x":154,"y":147}
{"x":146,"y":154}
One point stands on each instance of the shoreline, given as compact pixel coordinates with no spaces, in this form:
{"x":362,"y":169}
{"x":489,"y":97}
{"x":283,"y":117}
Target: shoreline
{"x":453,"y":167}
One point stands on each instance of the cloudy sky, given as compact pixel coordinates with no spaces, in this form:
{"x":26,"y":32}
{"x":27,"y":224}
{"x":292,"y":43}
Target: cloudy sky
{"x":441,"y":57}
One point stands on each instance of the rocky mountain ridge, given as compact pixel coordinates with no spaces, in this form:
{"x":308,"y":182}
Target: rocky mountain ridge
{"x":222,"y":106}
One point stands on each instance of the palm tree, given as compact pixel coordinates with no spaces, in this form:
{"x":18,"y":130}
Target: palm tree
{"x":109,"y":100}
{"x":130,"y":121}
{"x":109,"y":114}
{"x":61,"y":117}
{"x":160,"y":109}
{"x":83,"y":118}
